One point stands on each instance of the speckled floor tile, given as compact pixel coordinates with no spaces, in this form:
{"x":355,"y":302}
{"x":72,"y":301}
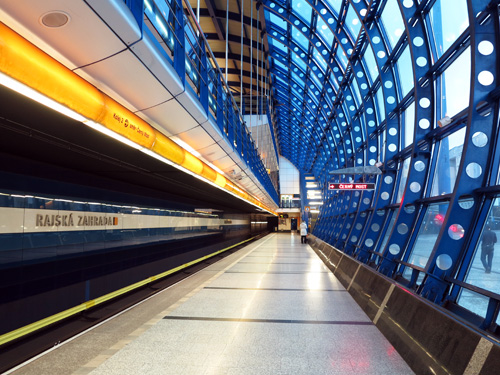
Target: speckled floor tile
{"x":278,"y":311}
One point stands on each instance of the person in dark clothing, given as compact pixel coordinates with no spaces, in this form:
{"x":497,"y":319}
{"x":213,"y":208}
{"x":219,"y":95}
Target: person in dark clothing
{"x":487,"y":248}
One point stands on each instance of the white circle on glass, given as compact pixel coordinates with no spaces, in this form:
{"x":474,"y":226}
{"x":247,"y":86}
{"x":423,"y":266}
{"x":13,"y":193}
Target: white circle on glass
{"x":479,"y":139}
{"x":419,"y":166}
{"x":444,"y":262}
{"x":473,"y":170}
{"x":485,"y":48}
{"x":415,"y":187}
{"x":485,"y":78}
{"x":394,"y":249}
{"x":456,"y":231}
{"x":424,"y":123}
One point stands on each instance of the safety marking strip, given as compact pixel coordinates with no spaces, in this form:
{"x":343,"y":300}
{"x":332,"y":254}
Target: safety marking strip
{"x":479,"y":357}
{"x":7,"y":337}
{"x":286,"y":321}
{"x":355,"y":274}
{"x":100,"y":359}
{"x":384,"y":303}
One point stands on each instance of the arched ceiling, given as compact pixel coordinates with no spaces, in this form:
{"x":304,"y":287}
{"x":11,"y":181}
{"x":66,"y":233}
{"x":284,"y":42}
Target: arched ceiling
{"x":341,"y":73}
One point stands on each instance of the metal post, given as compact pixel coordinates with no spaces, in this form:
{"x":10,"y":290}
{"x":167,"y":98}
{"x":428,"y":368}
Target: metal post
{"x":251,"y":62}
{"x":241,"y":60}
{"x":227,"y":32}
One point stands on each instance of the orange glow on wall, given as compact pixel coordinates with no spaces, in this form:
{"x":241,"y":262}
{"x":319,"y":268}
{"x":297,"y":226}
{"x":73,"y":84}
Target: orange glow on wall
{"x":27,"y":64}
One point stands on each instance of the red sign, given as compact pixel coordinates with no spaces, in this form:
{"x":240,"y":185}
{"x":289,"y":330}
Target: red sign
{"x":352,"y":186}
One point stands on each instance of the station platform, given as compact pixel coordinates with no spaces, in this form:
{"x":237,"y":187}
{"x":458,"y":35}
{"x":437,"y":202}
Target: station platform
{"x":271,"y":308}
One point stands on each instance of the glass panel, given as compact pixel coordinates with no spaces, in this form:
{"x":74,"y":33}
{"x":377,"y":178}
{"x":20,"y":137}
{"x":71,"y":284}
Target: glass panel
{"x":352,"y":22}
{"x":427,"y":236}
{"x":409,"y":124}
{"x":281,"y":65}
{"x":392,"y":21}
{"x":484,"y":271}
{"x":335,"y":4}
{"x":280,"y":46}
{"x":404,"y":175}
{"x":405,"y":69}
{"x":370,"y":63}
{"x":302,"y":10}
{"x":300,"y":39}
{"x":474,"y":302}
{"x":380,"y":105}
{"x":300,"y":63}
{"x":324,"y":31}
{"x":356,"y":90}
{"x":450,"y":153}
{"x":278,"y":21}
{"x":456,"y":85}
{"x":341,"y":57}
{"x":319,"y":59}
{"x":388,"y":232}
{"x":449,"y":19}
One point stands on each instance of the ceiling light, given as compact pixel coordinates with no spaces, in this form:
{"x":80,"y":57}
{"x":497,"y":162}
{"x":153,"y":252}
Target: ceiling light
{"x":55,"y":19}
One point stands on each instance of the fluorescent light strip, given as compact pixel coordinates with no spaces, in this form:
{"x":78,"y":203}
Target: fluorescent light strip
{"x":22,"y":89}
{"x":166,"y":161}
{"x":27,"y":91}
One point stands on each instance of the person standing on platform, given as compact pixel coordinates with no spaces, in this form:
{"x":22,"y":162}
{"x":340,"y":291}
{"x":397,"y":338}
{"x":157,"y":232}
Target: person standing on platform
{"x":303,"y":232}
{"x":487,"y":247}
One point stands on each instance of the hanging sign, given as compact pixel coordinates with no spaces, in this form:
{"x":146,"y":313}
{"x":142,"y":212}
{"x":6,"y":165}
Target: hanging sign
{"x":351,"y":186}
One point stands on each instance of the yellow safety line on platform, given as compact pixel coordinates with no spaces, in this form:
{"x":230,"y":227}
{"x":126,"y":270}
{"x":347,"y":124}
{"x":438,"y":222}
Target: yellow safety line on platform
{"x":30,"y":328}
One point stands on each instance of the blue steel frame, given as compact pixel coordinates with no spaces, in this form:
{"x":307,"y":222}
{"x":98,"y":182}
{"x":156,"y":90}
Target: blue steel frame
{"x":189,"y":53}
{"x":347,"y":108}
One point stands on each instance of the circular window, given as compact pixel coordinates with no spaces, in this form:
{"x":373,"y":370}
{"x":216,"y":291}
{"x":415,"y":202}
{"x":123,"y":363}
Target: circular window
{"x":424,"y":123}
{"x":465,"y":202}
{"x":456,"y":231}
{"x":402,"y":228}
{"x":408,"y":3}
{"x":369,"y":242}
{"x":444,"y":262}
{"x":485,"y":48}
{"x":375,"y":226}
{"x":409,"y":209}
{"x":384,"y":195}
{"x":485,"y":78}
{"x":394,"y":249}
{"x":388,"y":179}
{"x":419,"y":166}
{"x":479,"y":139}
{"x":421,"y":61}
{"x":424,"y":103}
{"x":418,"y":41}
{"x":473,"y":170}
{"x":415,"y":187}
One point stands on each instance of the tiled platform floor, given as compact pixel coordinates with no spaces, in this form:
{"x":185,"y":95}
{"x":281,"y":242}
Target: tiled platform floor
{"x":276,"y":309}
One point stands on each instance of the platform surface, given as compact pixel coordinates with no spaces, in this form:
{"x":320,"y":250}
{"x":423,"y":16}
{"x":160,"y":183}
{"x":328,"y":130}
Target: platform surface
{"x":270,"y":308}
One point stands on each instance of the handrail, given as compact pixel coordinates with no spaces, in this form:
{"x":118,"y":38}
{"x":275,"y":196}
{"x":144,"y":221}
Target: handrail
{"x":228,"y":90}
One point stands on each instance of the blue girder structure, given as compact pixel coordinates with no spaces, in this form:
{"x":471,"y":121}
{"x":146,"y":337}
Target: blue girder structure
{"x":410,"y":86}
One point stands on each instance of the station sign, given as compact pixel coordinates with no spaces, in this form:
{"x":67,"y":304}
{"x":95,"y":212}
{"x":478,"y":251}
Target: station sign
{"x":351,"y":186}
